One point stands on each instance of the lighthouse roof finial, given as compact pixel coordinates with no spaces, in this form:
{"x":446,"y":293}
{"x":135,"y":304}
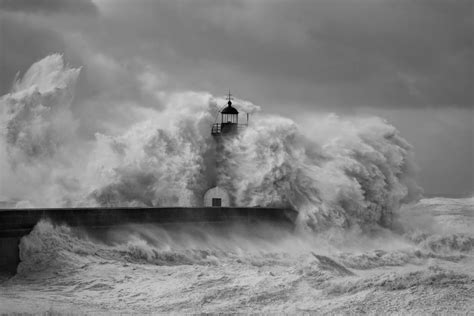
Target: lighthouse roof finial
{"x":229,"y":98}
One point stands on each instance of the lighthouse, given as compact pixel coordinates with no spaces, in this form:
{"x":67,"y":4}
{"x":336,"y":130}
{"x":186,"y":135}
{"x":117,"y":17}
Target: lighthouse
{"x":226,"y":126}
{"x":229,"y":121}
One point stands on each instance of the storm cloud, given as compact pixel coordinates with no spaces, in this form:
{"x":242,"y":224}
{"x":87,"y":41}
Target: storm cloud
{"x":376,"y":53}
{"x":50,"y":6}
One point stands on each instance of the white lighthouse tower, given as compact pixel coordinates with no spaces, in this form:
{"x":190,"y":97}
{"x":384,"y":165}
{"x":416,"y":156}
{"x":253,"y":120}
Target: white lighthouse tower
{"x":227,"y":126}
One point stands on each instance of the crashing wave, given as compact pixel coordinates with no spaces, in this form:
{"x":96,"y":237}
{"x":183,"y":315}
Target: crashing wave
{"x":36,"y":114}
{"x":350,"y":172}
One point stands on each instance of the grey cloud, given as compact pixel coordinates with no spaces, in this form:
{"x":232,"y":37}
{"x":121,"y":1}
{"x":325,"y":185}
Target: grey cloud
{"x":424,"y":46}
{"x":338,"y":53}
{"x":50,"y":6}
{"x":384,"y":53}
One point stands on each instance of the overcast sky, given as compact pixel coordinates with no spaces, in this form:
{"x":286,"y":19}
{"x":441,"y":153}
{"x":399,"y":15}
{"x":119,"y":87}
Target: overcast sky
{"x":410,"y":61}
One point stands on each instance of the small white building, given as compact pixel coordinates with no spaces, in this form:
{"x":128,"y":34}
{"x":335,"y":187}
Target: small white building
{"x":216,"y":197}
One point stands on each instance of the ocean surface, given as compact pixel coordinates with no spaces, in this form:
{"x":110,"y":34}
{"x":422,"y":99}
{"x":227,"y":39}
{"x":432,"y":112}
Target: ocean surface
{"x":423,"y":265}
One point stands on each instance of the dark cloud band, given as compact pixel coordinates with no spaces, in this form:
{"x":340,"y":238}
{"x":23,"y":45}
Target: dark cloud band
{"x":50,"y":6}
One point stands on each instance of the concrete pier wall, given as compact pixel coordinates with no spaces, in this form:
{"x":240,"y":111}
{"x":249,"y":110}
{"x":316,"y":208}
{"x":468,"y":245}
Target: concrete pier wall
{"x":16,"y":223}
{"x":9,"y":254}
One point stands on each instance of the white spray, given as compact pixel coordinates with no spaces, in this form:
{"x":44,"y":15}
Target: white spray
{"x":344,"y":172}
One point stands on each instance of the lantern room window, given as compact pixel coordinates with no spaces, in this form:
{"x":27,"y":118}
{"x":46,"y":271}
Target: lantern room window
{"x":230,"y":114}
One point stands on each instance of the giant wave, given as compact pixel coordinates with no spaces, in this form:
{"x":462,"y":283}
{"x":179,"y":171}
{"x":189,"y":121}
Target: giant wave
{"x":344,"y":172}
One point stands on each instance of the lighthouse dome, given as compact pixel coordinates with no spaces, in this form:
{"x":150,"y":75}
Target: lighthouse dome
{"x":229,"y":109}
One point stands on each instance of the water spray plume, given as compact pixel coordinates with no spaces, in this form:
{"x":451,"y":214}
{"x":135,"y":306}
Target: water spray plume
{"x":348,"y":172}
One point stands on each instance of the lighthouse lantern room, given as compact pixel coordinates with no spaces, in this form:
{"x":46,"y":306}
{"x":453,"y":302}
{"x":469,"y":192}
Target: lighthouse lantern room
{"x":229,"y":123}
